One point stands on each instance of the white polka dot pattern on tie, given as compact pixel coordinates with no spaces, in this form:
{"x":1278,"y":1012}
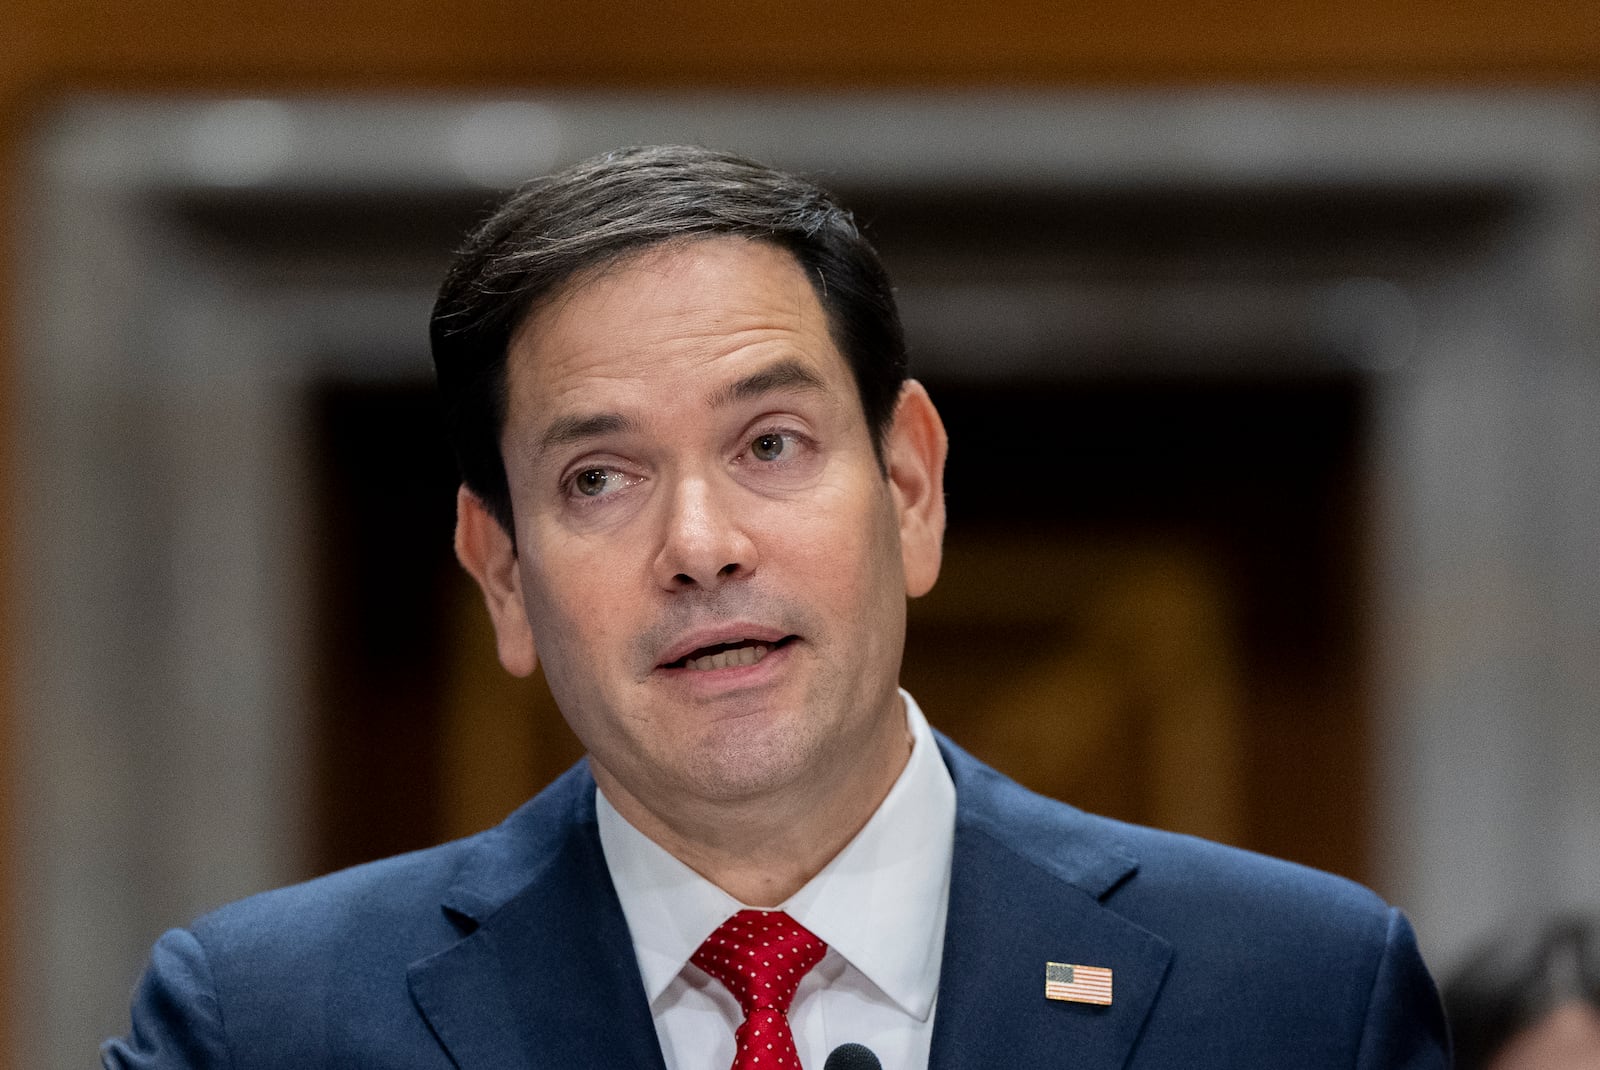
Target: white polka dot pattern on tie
{"x":760,"y":956}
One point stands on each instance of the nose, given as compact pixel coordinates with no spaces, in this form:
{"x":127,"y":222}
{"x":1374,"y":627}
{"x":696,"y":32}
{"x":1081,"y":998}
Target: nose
{"x":703,"y":541}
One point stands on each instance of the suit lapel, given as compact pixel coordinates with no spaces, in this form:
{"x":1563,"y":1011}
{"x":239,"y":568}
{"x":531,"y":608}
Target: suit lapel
{"x":1026,"y":889}
{"x":545,"y":975}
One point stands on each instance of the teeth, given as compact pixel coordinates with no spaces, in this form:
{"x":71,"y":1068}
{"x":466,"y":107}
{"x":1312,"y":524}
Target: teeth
{"x":731,"y":658}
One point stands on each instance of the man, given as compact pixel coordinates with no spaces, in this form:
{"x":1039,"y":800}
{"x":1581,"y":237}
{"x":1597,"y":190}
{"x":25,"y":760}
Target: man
{"x":1528,"y":997}
{"x":699,"y":488}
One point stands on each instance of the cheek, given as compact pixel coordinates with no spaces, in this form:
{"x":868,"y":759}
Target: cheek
{"x":572,"y":619}
{"x":850,"y":547}
{"x":567,"y":574}
{"x":584,"y":606}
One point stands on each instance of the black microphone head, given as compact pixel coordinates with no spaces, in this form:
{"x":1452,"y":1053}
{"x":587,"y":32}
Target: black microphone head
{"x":852,"y":1057}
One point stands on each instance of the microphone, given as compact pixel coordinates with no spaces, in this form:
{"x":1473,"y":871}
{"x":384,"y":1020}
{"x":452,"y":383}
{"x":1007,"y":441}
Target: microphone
{"x":852,"y":1057}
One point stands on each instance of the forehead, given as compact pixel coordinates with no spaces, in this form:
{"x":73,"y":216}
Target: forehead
{"x":683,"y":313}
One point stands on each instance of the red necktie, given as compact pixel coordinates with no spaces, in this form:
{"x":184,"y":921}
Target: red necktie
{"x":760,"y":956}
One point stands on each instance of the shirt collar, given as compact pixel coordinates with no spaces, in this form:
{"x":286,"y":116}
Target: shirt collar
{"x":880,"y":903}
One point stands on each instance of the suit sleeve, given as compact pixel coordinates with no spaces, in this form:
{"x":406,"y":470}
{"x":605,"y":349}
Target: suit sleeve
{"x":1405,"y":1026}
{"x":177,"y":1019}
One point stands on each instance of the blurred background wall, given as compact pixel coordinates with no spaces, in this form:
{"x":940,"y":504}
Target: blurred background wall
{"x":1266,"y":334}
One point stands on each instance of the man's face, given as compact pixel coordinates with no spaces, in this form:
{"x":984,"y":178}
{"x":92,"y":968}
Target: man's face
{"x":709,"y":559}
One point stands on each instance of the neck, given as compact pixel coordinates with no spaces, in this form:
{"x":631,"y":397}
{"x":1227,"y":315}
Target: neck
{"x":764,"y":849}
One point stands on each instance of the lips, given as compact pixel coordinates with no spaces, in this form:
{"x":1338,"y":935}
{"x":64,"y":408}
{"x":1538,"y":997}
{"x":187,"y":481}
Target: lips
{"x":724,"y":651}
{"x":726,"y":656}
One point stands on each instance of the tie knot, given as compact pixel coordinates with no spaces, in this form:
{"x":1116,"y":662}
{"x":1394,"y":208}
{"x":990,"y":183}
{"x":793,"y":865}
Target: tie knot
{"x":760,"y":956}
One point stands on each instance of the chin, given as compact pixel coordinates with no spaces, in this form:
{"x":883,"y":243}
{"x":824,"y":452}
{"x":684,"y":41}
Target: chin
{"x":750,"y":760}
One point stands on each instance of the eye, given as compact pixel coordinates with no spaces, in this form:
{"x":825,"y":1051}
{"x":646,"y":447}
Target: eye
{"x":593,"y":482}
{"x":768,"y":447}
{"x":598,"y":485}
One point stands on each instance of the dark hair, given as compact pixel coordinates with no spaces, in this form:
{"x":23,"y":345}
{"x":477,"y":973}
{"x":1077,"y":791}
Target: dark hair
{"x":554,"y":228}
{"x":1516,"y":979}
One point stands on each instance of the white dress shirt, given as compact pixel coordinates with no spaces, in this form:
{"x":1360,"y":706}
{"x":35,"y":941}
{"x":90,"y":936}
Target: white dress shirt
{"x":879,"y":905}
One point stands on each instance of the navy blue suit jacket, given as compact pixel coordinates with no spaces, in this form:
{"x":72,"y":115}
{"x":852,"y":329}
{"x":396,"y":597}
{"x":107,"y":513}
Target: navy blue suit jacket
{"x":508,"y":950}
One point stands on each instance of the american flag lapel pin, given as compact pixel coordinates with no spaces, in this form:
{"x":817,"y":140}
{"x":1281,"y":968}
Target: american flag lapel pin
{"x":1077,"y":984}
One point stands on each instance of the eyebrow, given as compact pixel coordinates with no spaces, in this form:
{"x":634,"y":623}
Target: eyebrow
{"x":784,"y":375}
{"x":565,"y":430}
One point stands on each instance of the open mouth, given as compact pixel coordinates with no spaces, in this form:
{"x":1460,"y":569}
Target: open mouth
{"x":730,"y":655}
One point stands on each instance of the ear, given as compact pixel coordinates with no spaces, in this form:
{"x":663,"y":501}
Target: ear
{"x":914,"y":452}
{"x":485,"y":550}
